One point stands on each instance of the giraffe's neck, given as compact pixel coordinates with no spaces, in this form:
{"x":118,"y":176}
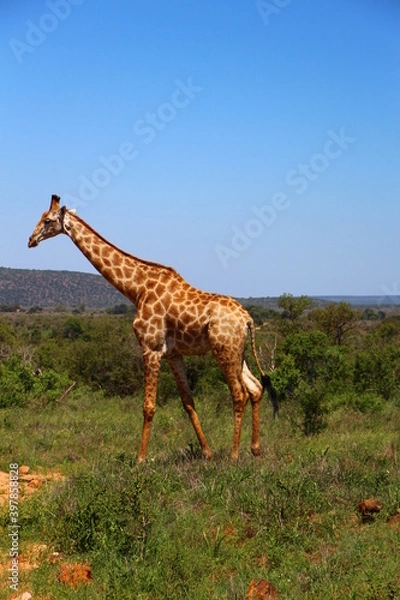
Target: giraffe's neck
{"x":125,"y":272}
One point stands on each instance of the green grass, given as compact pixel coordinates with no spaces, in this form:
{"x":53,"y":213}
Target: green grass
{"x":179,"y":528}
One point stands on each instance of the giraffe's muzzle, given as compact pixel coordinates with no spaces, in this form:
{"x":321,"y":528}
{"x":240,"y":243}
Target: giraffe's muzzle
{"x":32,"y":242}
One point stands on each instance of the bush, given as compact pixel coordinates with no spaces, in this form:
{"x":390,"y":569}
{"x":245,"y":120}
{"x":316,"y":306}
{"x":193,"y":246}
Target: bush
{"x":73,"y":328}
{"x":308,"y":350}
{"x":309,"y":357}
{"x":121,"y":309}
{"x":7,"y":339}
{"x":312,"y":402}
{"x":16,"y":382}
{"x":19,"y":384}
{"x":286,"y":377}
{"x":99,"y":352}
{"x":364,"y":403}
{"x":377,"y":371}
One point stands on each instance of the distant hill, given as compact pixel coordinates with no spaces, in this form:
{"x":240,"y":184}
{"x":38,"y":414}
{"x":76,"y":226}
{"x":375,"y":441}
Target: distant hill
{"x":48,"y":289}
{"x":373,"y":301}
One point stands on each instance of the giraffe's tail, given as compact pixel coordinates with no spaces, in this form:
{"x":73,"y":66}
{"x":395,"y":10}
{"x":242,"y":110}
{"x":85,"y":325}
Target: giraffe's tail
{"x":265,"y":378}
{"x":273,"y":396}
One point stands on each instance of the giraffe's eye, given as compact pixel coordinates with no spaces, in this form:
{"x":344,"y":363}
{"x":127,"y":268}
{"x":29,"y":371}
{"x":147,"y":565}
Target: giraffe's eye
{"x":47,"y":221}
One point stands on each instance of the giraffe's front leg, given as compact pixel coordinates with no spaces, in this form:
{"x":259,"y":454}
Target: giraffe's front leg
{"x":152,"y":362}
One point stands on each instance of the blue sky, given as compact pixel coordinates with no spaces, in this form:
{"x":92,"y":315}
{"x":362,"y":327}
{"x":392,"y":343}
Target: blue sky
{"x":253,"y":146}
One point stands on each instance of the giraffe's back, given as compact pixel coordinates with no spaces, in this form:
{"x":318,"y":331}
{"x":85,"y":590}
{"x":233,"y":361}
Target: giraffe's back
{"x":196,"y":320}
{"x":187,"y":320}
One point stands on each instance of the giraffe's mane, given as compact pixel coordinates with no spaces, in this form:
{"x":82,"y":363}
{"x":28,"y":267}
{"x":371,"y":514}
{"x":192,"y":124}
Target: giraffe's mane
{"x":127,"y":254}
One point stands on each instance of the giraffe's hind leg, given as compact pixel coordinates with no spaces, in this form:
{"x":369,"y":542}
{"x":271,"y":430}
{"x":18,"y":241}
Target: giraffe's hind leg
{"x":239,"y":397}
{"x":178,"y":370}
{"x":255,"y":391}
{"x":227,"y":340}
{"x":231,"y":368}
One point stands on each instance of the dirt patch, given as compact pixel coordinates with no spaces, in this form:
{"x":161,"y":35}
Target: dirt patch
{"x":15,"y":486}
{"x":260,"y":589}
{"x":27,"y":482}
{"x":76,"y":574}
{"x":31,"y":558}
{"x":368,"y":508}
{"x":34,"y":556}
{"x":394,"y":522}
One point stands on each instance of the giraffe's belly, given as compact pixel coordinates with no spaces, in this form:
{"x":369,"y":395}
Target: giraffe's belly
{"x":186,"y":342}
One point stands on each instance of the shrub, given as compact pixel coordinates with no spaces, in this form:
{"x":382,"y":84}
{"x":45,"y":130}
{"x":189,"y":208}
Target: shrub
{"x":315,"y":358}
{"x":312,"y":402}
{"x":73,"y":328}
{"x":286,"y":377}
{"x":377,"y":371}
{"x":7,"y":339}
{"x":18,"y":384}
{"x":308,"y":350}
{"x":364,"y":403}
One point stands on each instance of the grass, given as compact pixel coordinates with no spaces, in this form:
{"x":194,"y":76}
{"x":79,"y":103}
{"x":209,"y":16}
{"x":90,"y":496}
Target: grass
{"x":177,"y":527}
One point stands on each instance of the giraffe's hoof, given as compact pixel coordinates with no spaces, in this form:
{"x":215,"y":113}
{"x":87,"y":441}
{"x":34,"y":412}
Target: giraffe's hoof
{"x":207,"y":455}
{"x":256,"y":451}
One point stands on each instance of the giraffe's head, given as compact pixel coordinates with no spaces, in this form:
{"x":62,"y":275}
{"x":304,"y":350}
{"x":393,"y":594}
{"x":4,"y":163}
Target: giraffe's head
{"x":51,"y":223}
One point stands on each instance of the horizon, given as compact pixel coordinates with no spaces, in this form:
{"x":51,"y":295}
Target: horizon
{"x":380,"y":301}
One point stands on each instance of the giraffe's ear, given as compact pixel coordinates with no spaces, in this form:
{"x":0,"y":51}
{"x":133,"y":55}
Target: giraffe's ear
{"x":72,"y":211}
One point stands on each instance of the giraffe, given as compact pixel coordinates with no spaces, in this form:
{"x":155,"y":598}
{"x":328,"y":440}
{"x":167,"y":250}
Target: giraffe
{"x":173,"y":319}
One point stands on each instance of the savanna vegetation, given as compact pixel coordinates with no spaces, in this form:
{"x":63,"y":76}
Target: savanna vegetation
{"x":176,"y":527}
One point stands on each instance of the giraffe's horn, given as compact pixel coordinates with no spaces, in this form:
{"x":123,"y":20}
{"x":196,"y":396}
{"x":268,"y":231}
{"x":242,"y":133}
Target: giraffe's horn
{"x":55,"y":201}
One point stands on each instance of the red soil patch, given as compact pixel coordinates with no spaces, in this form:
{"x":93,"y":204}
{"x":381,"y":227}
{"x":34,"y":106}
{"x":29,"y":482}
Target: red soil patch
{"x":368,"y":508}
{"x":394,"y":522}
{"x":75,"y":575}
{"x":260,"y":589}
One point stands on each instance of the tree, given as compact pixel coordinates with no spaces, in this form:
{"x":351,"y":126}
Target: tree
{"x":336,"y":319}
{"x":293,"y":308}
{"x":73,"y":329}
